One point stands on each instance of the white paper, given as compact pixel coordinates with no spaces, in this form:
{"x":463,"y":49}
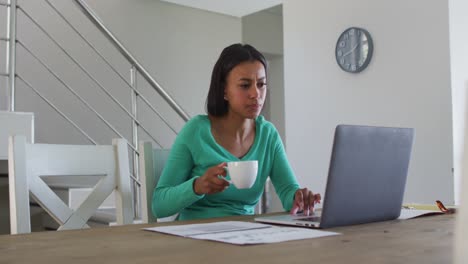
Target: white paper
{"x":209,"y":228}
{"x":241,"y":233}
{"x":412,"y":213}
{"x":265,"y":235}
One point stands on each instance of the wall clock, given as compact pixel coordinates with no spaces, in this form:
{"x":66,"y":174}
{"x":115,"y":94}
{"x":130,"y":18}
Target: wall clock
{"x":354,"y":49}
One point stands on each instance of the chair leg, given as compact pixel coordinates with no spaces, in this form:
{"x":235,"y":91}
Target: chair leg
{"x":20,"y":222}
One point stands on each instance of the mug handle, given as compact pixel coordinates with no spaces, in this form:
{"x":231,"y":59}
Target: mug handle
{"x":224,"y":178}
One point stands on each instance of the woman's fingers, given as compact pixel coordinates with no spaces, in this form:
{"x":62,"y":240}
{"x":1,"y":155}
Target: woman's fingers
{"x":313,"y":200}
{"x":212,"y":181}
{"x":308,"y":202}
{"x":300,"y":199}
{"x":305,"y":200}
{"x":218,"y":178}
{"x":215,"y":178}
{"x":317,"y":198}
{"x":298,"y":203}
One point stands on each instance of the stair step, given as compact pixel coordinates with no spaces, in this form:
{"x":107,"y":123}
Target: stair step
{"x":73,"y":197}
{"x":65,"y":182}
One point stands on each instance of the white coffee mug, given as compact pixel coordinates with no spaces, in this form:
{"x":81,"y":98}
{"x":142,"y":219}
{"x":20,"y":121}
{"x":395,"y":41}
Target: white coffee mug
{"x":243,"y":173}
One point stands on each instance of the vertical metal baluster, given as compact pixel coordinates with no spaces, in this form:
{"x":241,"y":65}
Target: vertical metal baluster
{"x":136,"y":168}
{"x":11,"y":53}
{"x":266,"y":197}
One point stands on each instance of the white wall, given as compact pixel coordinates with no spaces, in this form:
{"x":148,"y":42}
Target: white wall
{"x":406,"y":84}
{"x":177,"y":45}
{"x":459,"y":66}
{"x":264,"y":30}
{"x":276,"y":93}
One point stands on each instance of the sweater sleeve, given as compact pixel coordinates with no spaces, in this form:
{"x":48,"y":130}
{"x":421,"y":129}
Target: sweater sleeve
{"x":282,"y":176}
{"x":174,"y":190}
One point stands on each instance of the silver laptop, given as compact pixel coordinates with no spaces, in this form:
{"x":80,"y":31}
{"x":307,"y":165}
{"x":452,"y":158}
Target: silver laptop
{"x":366,"y":179}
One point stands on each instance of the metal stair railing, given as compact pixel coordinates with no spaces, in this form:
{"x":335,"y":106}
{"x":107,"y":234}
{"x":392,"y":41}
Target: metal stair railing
{"x":95,"y":19}
{"x":136,"y":68}
{"x":115,"y":70}
{"x":73,"y":91}
{"x":57,"y":110}
{"x":11,"y":51}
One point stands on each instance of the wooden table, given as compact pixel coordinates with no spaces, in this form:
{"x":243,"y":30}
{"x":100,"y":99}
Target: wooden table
{"x":423,"y":240}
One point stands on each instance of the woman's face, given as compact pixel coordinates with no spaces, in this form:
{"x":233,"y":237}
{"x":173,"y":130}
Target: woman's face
{"x":245,"y":89}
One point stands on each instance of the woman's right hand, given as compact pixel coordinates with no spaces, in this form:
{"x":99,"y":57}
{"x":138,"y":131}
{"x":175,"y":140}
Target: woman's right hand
{"x":210,"y":183}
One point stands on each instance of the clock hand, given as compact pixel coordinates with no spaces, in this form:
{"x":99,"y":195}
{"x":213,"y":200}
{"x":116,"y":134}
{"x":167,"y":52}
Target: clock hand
{"x":351,"y":50}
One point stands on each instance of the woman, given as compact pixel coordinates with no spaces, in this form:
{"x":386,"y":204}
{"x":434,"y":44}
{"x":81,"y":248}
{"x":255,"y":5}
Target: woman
{"x":191,"y":183}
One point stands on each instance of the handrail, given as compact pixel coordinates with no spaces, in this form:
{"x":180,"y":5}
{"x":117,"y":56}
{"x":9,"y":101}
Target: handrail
{"x":87,"y":72}
{"x":99,"y":24}
{"x":77,"y":95}
{"x":57,"y":110}
{"x":68,"y":119}
{"x":143,"y":98}
{"x":4,"y":4}
{"x":137,"y":68}
{"x":78,"y":64}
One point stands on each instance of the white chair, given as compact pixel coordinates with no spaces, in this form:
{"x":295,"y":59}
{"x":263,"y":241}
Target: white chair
{"x":28,"y":162}
{"x":13,"y":123}
{"x":151,"y":165}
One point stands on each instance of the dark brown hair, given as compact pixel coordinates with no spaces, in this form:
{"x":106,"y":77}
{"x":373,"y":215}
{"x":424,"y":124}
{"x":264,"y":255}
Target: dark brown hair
{"x":230,"y":57}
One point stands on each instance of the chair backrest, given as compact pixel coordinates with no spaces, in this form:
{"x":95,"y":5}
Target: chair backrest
{"x":152,"y":162}
{"x":28,"y":162}
{"x":13,"y":123}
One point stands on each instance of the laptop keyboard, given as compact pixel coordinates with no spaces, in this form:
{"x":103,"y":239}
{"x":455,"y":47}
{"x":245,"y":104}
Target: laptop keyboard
{"x":310,"y":219}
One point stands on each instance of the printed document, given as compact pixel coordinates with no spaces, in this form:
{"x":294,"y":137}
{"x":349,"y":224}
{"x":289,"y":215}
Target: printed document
{"x":241,"y":233}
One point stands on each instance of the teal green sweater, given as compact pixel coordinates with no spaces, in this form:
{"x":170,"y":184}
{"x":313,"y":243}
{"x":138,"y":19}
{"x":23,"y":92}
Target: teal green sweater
{"x":195,"y":150}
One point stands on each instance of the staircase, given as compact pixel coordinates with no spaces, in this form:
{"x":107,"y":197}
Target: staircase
{"x":91,"y":96}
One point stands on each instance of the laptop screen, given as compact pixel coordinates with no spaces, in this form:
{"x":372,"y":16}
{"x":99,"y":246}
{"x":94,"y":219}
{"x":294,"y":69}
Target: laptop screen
{"x":367,"y":174}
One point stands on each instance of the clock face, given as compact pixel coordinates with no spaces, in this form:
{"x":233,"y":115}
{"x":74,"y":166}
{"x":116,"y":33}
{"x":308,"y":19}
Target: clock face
{"x":354,"y":50}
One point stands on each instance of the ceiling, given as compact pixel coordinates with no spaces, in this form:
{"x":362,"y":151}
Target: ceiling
{"x":237,"y":8}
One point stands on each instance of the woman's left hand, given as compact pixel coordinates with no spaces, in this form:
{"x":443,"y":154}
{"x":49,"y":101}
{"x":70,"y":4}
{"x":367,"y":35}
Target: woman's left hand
{"x":305,"y":200}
